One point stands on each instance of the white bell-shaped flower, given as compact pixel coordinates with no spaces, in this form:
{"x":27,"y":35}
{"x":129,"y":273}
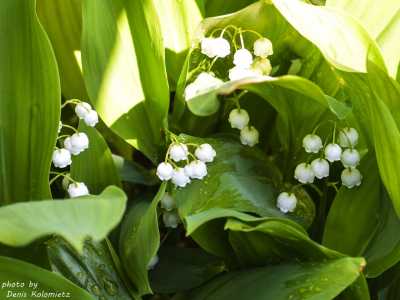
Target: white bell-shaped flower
{"x":312,"y":143}
{"x":348,"y":137}
{"x":76,"y":143}
{"x":168,"y":202}
{"x":350,"y":158}
{"x":77,"y":189}
{"x":320,"y":168}
{"x":304,"y":173}
{"x":203,"y":83}
{"x":179,"y":177}
{"x":91,"y":118}
{"x":286,"y":202}
{"x":351,"y":177}
{"x":171,"y":219}
{"x":333,"y":152}
{"x":239,"y":118}
{"x":153,"y":262}
{"x":208,"y":47}
{"x":82,"y":109}
{"x":262,"y":67}
{"x":249,"y":136}
{"x":165,"y":171}
{"x":61,"y":158}
{"x":243,"y":58}
{"x":198,"y":169}
{"x":263,"y":47}
{"x":191,"y":91}
{"x":237,"y":73}
{"x":205,"y":153}
{"x":178,"y":152}
{"x":222,"y":47}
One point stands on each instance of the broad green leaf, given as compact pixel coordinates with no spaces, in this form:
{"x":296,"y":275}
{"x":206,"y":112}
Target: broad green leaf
{"x":75,"y":219}
{"x":271,"y":241}
{"x":93,"y":270}
{"x":344,"y":43}
{"x":29,"y":106}
{"x":240,"y":178}
{"x":181,"y":269}
{"x":124,"y":70}
{"x":179,"y":20}
{"x":307,"y":281}
{"x":140,"y":240}
{"x":382,"y":21}
{"x":95,"y":166}
{"x":352,"y":220}
{"x":48,"y":284}
{"x":217,"y":8}
{"x":62,"y":20}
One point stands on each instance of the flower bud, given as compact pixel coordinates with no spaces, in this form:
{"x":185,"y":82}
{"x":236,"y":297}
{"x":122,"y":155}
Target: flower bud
{"x":348,"y":137}
{"x":262,"y":66}
{"x":239,"y":118}
{"x":350,"y":158}
{"x":237,"y":73}
{"x":304,"y":173}
{"x":165,"y":171}
{"x":179,"y":177}
{"x":333,"y":152}
{"x":286,"y":202}
{"x":82,"y":109}
{"x":91,"y":118}
{"x":263,"y":47}
{"x":178,"y":152}
{"x":351,"y":177}
{"x":171,"y":219}
{"x":320,"y":168}
{"x":153,"y":262}
{"x":77,"y":189}
{"x":243,"y":58}
{"x":249,"y":136}
{"x":312,"y":143}
{"x":61,"y":158}
{"x":167,"y":202}
{"x":205,"y":153}
{"x":76,"y":143}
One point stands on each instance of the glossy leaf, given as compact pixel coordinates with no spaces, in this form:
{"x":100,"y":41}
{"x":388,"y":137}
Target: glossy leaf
{"x":308,"y":281}
{"x":382,"y":21}
{"x":140,"y":240}
{"x":241,"y":179}
{"x":94,"y":166}
{"x":74,"y":219}
{"x":93,"y":270}
{"x":181,"y":269}
{"x":29,"y":106}
{"x":62,"y":21}
{"x":16,"y":271}
{"x":124,"y":70}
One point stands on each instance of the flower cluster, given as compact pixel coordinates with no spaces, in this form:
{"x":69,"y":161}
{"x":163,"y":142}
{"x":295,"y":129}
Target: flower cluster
{"x":244,"y":62}
{"x":170,"y":215}
{"x":239,"y":119}
{"x":194,"y":164}
{"x":332,"y":152}
{"x":74,"y":145}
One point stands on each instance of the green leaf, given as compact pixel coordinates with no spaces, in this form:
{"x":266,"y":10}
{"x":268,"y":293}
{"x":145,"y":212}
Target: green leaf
{"x":382,"y":20}
{"x":308,"y":281}
{"x":15,"y":271}
{"x":179,"y":21}
{"x":93,"y":270}
{"x":181,"y":269}
{"x":131,"y":171}
{"x":242,"y":179}
{"x":352,"y":220}
{"x":140,"y":240}
{"x":95,"y":166}
{"x":62,"y":21}
{"x":217,"y":8}
{"x":30,"y":104}
{"x":124,"y":70}
{"x":73,"y":219}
